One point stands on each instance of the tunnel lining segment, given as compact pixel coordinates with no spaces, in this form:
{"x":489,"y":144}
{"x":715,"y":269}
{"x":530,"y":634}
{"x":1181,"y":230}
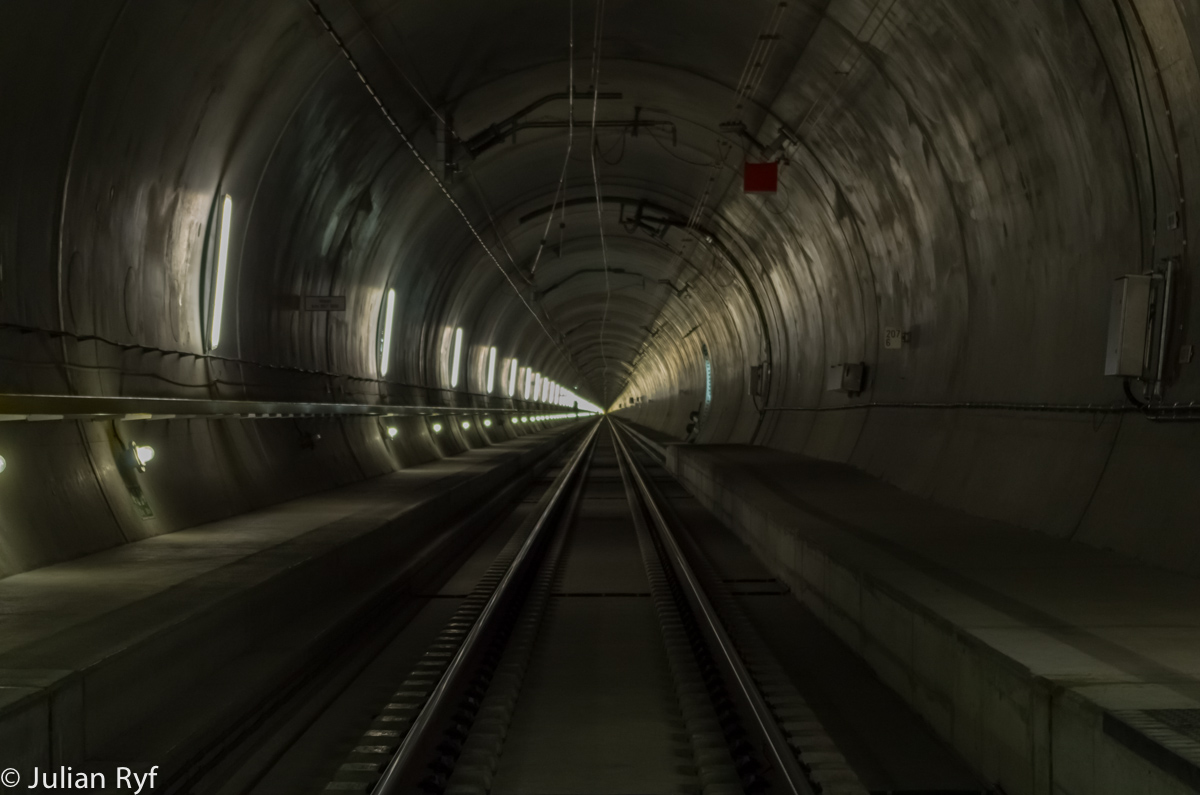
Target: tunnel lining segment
{"x":395,"y":125}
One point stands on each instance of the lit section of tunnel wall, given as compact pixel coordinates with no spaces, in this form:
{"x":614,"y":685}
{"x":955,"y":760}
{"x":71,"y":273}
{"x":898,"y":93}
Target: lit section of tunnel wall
{"x":972,"y":173}
{"x":135,"y":120}
{"x":978,"y":179}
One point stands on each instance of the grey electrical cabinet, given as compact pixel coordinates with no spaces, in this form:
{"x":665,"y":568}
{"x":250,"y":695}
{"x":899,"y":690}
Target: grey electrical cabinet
{"x":1128,"y":326}
{"x":846,"y":377}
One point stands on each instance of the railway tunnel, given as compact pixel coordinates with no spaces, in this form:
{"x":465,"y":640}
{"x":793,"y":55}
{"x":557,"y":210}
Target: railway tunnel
{"x":581,"y":397}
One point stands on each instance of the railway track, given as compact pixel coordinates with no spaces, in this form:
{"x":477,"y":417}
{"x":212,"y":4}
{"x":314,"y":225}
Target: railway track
{"x":592,"y":644}
{"x":598,"y":654}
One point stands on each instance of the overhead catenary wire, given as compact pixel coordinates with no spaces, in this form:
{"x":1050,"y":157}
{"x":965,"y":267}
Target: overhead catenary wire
{"x":747,"y":84}
{"x":755,"y":67}
{"x":492,"y":219}
{"x":750,"y":80}
{"x":395,"y":125}
{"x":445,"y":122}
{"x":596,"y":39}
{"x":562,"y":177}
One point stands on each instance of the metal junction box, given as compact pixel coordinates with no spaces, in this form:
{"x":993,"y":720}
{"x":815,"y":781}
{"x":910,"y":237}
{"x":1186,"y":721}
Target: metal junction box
{"x":1129,"y":326}
{"x":846,"y":377}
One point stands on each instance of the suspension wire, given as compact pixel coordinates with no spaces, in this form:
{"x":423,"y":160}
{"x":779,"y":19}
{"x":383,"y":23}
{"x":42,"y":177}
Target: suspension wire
{"x":387,"y":115}
{"x":562,"y":177}
{"x":445,"y":124}
{"x":491,"y":219}
{"x":756,"y":65}
{"x":597,"y":34}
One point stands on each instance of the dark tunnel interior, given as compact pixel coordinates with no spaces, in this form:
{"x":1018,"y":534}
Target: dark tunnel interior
{"x":295,"y":246}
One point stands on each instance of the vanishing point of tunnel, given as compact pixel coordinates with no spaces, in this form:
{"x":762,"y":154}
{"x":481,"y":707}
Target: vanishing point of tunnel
{"x":600,"y":397}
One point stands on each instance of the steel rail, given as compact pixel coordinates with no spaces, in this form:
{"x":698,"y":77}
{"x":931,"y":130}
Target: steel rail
{"x":412,"y":752}
{"x":652,"y":447}
{"x":779,"y":750}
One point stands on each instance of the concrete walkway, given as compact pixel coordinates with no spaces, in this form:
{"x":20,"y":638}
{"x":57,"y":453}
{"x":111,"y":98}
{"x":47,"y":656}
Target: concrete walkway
{"x":1051,"y":666}
{"x":95,"y":652}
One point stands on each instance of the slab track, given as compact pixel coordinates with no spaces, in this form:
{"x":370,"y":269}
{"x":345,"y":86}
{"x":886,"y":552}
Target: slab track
{"x":607,"y":637}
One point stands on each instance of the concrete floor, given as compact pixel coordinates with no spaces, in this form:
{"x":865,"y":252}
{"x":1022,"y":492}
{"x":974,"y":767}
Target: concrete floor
{"x":597,"y":713}
{"x":95,"y":652}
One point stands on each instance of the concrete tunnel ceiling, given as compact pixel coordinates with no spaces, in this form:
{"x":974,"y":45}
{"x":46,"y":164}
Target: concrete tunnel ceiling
{"x":974,"y":174}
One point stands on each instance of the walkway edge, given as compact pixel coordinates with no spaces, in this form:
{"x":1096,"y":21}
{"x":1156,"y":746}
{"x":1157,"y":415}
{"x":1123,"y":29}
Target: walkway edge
{"x":1017,"y":729}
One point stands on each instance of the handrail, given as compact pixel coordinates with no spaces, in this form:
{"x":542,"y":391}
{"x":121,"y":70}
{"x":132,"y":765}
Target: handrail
{"x":779,"y":750}
{"x":411,"y":751}
{"x":58,"y":407}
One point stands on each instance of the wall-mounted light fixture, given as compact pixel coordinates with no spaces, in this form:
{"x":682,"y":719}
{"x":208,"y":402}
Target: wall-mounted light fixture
{"x":486,"y":424}
{"x":385,"y":347}
{"x":455,"y":357}
{"x":392,"y":431}
{"x":512,"y":378}
{"x":214,"y":333}
{"x":466,"y":425}
{"x":491,"y":367}
{"x":437,"y":427}
{"x":139,"y":455}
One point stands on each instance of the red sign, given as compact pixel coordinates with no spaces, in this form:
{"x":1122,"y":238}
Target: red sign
{"x":761,"y":177}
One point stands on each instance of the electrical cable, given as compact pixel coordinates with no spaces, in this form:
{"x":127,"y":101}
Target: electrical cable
{"x":679,"y":157}
{"x":616,"y":144}
{"x":445,"y":123}
{"x":562,"y":177}
{"x":596,"y":39}
{"x":53,"y":334}
{"x":620,"y":155}
{"x":755,"y":67}
{"x":492,"y":220}
{"x":1128,"y":387}
{"x":387,"y":115}
{"x":387,"y":54}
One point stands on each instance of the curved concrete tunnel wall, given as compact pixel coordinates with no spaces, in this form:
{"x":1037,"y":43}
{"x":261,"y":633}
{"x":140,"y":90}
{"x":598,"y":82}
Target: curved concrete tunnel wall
{"x":975,"y":173}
